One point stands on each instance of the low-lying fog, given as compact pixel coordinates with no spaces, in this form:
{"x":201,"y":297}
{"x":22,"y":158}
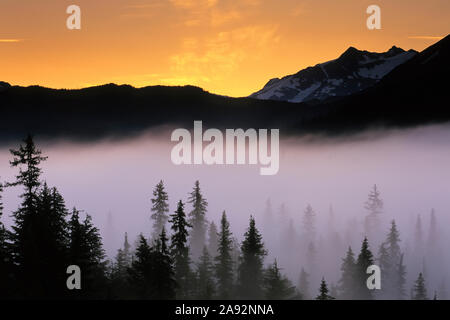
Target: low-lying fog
{"x":113,"y":181}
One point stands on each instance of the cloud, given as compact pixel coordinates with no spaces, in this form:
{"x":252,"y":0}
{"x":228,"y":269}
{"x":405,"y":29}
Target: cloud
{"x":216,"y":57}
{"x":10,"y":40}
{"x":426,"y":37}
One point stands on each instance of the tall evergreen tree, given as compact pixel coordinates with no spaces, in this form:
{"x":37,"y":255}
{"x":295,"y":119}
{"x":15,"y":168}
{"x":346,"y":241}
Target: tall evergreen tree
{"x":162,"y":271}
{"x":180,"y":251}
{"x":420,"y":290}
{"x":119,"y":273}
{"x":224,"y":262}
{"x":365,"y":259}
{"x":205,"y":277}
{"x":418,"y":237}
{"x":303,"y":285}
{"x":309,"y":223}
{"x":213,"y":240}
{"x":374,"y":206}
{"x":347,"y":282}
{"x":27,"y":158}
{"x":323,"y":291}
{"x":52,"y":241}
{"x":141,"y":277}
{"x":6,"y":266}
{"x":197,"y":218}
{"x":393,"y":270}
{"x":250,"y":273}
{"x":160,"y":208}
{"x":86,"y":251}
{"x":277,"y":286}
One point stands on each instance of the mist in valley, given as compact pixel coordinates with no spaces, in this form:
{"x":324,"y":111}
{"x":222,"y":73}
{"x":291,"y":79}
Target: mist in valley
{"x":113,"y":180}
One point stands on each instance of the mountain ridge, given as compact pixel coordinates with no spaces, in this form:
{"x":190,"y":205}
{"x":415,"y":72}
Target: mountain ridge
{"x":353,"y":71}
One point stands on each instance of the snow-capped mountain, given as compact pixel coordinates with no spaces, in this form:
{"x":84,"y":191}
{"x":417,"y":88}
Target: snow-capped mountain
{"x":353,"y":71}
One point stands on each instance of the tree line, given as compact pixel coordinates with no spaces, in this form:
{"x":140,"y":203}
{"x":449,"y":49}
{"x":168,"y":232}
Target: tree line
{"x":185,"y":257}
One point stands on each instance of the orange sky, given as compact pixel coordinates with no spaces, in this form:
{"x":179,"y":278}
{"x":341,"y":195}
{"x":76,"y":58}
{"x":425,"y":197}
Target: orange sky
{"x":230,"y":47}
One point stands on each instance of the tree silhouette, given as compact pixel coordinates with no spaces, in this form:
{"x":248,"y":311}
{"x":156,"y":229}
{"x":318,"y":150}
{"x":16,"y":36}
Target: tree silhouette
{"x":86,"y":251}
{"x":348,"y":283}
{"x":276,"y":286}
{"x":213,"y":240}
{"x":197,"y":219}
{"x":420,"y":290}
{"x":323,"y":291}
{"x":160,"y":208}
{"x":365,"y":259}
{"x":250,"y":272}
{"x":224,"y":262}
{"x":205,"y":277}
{"x":180,"y":251}
{"x":303,"y":285}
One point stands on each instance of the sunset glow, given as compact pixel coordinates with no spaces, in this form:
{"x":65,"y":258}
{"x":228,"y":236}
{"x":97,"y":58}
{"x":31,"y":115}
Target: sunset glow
{"x":226,"y":47}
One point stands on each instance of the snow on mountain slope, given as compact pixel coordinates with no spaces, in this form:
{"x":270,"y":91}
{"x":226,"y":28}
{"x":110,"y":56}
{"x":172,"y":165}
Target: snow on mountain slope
{"x":353,"y":71}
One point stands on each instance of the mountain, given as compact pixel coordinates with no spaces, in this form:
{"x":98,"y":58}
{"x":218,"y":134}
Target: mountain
{"x":353,"y":71}
{"x":415,"y":93}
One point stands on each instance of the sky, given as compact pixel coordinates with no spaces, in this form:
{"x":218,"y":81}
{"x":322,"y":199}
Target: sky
{"x":227,"y":47}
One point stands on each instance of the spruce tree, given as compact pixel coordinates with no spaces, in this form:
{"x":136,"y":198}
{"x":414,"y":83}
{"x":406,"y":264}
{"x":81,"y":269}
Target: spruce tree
{"x":303,"y":285}
{"x":197,"y":218}
{"x":374,"y":206}
{"x":6,"y":266}
{"x":392,"y":268}
{"x":250,"y":272}
{"x":160,"y":208}
{"x":162,"y":271}
{"x":224,"y":262}
{"x":86,"y":251}
{"x":51,"y":242}
{"x":309,"y":223}
{"x":365,"y":259}
{"x":420,"y":290}
{"x":141,"y":277}
{"x":27,"y":158}
{"x":213,"y":239}
{"x":347,"y":283}
{"x":205,"y":277}
{"x":180,"y":252}
{"x":323,"y":291}
{"x":119,"y":273}
{"x":277,"y":286}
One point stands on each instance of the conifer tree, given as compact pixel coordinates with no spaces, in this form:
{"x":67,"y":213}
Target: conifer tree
{"x":400,"y":280}
{"x":365,"y":259}
{"x":213,"y":239}
{"x":205,"y":277}
{"x":250,"y":272}
{"x":141,"y":278}
{"x":119,"y":273}
{"x":197,"y":219}
{"x":162,"y":270}
{"x":6,"y":266}
{"x":51,"y":241}
{"x":393,"y":270}
{"x":303,"y":285}
{"x":224,"y":262}
{"x":160,"y":208}
{"x":180,"y":251}
{"x":418,"y":237}
{"x":420,"y":290}
{"x":323,"y":291}
{"x":374,"y":206}
{"x":309,"y":224}
{"x":277,"y":286}
{"x":27,"y":159}
{"x":86,"y":251}
{"x":347,"y":282}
